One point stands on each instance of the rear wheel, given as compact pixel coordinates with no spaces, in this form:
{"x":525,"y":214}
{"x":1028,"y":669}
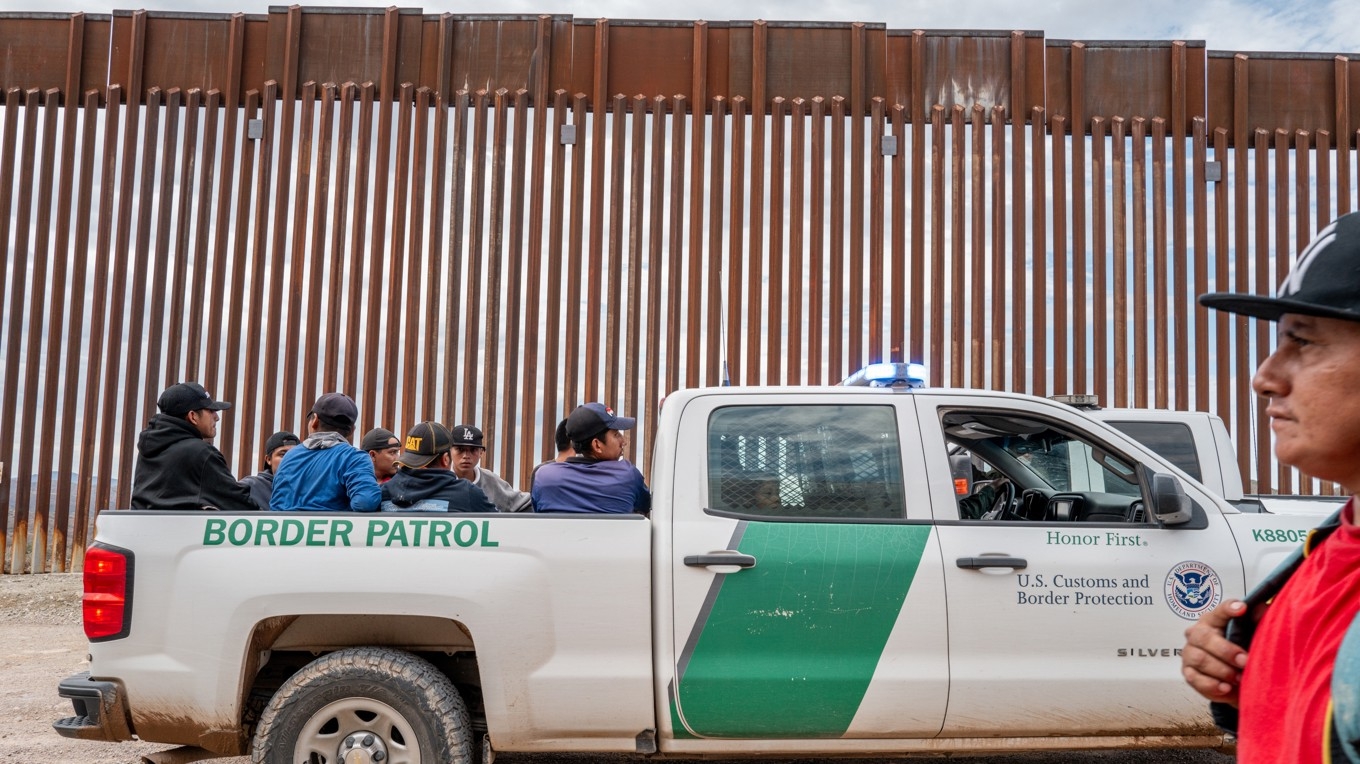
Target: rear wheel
{"x":365,"y":704}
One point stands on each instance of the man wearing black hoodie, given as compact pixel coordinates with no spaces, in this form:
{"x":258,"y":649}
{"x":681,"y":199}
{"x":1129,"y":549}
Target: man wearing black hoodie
{"x":177,"y":466}
{"x":425,"y":482}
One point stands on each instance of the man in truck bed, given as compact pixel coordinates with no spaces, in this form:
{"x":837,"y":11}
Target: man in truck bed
{"x":468,"y":448}
{"x":261,"y":484}
{"x":177,"y":465}
{"x":425,"y":481}
{"x":598,"y":478}
{"x":326,"y":473}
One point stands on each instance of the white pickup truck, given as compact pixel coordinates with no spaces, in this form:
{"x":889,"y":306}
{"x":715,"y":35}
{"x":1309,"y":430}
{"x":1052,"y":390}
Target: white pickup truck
{"x":1199,"y":444}
{"x":856,"y":613}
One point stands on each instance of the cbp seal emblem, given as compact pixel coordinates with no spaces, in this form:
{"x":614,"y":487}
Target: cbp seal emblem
{"x":1192,"y":589}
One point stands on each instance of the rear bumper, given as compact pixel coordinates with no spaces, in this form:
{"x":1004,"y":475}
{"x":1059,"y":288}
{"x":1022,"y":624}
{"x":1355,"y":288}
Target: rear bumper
{"x":101,"y":711}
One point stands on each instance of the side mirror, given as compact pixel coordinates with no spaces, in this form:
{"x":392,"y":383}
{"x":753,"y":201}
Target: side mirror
{"x":1170,"y":505}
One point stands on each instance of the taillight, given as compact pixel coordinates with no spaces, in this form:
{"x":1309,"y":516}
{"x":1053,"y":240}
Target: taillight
{"x":108,"y":592}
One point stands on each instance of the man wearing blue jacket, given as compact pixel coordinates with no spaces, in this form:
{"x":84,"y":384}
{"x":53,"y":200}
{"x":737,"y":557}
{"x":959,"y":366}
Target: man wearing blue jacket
{"x":325,"y":472}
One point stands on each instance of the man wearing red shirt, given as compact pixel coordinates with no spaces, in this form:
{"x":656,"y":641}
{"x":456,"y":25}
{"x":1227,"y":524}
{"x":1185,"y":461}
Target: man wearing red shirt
{"x":1297,"y":697}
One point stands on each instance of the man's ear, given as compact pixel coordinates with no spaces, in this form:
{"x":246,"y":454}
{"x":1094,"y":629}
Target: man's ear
{"x":446,"y":460}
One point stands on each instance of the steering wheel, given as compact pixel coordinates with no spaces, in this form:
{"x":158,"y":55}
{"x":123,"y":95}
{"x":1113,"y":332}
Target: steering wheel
{"x":1033,"y":505}
{"x":1004,"y":501}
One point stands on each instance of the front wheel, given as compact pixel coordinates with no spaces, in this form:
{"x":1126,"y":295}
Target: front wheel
{"x":365,"y":704}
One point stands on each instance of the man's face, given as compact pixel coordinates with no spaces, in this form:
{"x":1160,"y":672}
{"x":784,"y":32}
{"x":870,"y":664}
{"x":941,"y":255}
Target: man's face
{"x":205,"y":421}
{"x":385,"y":461}
{"x":277,"y":456}
{"x":767,"y":495}
{"x":465,"y":461}
{"x":1312,"y":384}
{"x":610,"y":446}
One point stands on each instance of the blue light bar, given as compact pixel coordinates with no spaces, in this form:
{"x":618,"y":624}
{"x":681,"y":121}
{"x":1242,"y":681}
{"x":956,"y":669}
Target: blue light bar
{"x":909,"y":376}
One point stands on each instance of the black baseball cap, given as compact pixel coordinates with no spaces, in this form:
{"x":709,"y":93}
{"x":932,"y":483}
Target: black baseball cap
{"x":593,"y":419}
{"x":1325,"y":280}
{"x":424,"y":443}
{"x":336,"y":410}
{"x":279,"y":440}
{"x":180,"y":399}
{"x":467,"y":435}
{"x":378,"y":439}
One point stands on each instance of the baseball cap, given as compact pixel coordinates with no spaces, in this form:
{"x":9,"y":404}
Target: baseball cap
{"x":1325,"y":280}
{"x":180,"y":399}
{"x":278,"y":440}
{"x":467,"y":435}
{"x":591,"y":419}
{"x":424,"y":443}
{"x":336,"y":409}
{"x":377,"y":439}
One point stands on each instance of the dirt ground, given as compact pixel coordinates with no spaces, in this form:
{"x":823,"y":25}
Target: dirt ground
{"x":41,"y":643}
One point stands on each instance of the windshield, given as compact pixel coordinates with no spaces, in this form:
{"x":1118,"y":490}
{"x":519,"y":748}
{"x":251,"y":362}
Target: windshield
{"x":1037,"y":455}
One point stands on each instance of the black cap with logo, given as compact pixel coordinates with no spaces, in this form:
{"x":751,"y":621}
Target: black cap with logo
{"x":593,"y":419}
{"x":180,"y":399}
{"x":424,"y":443}
{"x":467,"y":435}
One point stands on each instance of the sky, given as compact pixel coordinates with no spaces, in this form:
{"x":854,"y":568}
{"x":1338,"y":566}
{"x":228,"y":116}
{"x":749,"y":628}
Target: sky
{"x":1318,"y":26}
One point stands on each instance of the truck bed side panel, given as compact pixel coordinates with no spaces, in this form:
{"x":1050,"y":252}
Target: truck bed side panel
{"x":555,"y":605}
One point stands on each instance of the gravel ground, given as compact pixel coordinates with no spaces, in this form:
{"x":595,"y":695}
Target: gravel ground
{"x":43,"y":644}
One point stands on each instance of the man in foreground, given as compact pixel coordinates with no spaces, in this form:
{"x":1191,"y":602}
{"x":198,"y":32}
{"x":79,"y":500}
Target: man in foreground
{"x":1297,"y":699}
{"x":597,"y":479}
{"x":177,"y":465}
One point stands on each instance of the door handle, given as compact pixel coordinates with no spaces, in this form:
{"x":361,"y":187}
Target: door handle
{"x":705,"y":560}
{"x":976,"y":563}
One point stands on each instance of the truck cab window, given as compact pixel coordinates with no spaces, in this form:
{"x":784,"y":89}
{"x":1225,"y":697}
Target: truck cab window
{"x":1172,"y":440}
{"x":1007,"y":467}
{"x":805,"y":462}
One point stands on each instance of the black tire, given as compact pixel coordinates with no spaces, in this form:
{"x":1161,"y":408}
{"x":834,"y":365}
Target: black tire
{"x":373,"y":697}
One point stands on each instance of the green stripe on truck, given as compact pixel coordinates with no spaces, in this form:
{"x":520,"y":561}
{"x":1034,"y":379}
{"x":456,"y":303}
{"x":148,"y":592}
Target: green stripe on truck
{"x":790,"y":646}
